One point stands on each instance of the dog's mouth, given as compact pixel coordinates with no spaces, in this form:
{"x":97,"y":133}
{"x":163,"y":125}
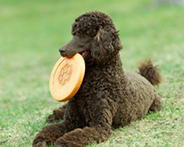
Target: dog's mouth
{"x":84,"y":53}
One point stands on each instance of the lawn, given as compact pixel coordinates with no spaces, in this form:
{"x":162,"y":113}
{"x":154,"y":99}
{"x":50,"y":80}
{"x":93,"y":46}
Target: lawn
{"x":31,"y":32}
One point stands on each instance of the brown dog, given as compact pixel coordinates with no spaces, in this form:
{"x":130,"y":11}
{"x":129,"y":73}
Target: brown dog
{"x":108,"y":95}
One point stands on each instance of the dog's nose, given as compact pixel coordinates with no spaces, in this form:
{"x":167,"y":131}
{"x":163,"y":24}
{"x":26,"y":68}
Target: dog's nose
{"x":62,"y":49}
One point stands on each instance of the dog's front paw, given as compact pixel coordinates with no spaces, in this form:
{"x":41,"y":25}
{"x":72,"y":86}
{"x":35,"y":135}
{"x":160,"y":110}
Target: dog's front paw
{"x":61,"y":143}
{"x":39,"y":143}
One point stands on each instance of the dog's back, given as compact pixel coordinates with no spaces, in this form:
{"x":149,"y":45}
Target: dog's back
{"x":139,"y":95}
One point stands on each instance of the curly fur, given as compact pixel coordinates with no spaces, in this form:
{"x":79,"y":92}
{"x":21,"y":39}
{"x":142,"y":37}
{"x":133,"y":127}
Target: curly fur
{"x":109,"y":96}
{"x":150,"y":72}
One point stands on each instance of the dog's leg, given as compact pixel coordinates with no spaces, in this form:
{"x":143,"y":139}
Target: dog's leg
{"x":85,"y":136}
{"x":49,"y":134}
{"x":98,"y":129}
{"x":156,"y":105}
{"x":57,"y":114}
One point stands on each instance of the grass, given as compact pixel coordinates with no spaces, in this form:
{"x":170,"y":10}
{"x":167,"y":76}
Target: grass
{"x":31,"y":34}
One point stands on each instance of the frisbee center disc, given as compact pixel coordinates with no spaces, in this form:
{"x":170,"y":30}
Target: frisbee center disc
{"x":62,"y":79}
{"x":65,"y":74}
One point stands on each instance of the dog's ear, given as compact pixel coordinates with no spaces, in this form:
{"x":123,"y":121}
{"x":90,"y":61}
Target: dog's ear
{"x":106,"y":44}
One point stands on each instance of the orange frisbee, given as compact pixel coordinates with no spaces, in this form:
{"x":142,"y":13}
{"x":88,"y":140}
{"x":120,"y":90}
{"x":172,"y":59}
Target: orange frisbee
{"x":66,"y":77}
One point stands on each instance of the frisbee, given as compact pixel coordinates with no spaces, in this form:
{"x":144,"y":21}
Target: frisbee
{"x":66,"y":77}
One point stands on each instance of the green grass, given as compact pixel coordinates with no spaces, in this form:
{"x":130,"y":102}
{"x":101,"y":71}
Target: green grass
{"x":31,"y":33}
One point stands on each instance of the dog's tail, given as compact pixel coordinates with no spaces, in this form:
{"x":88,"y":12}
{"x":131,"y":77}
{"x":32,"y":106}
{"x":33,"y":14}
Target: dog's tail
{"x":150,"y":72}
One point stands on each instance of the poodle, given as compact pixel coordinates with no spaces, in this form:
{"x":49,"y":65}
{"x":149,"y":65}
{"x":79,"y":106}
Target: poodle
{"x":109,"y":96}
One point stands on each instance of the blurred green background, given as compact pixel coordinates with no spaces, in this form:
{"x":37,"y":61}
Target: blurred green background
{"x":31,"y":32}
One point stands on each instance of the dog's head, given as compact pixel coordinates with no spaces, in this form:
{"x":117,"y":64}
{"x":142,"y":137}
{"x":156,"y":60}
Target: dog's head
{"x":94,"y":37}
